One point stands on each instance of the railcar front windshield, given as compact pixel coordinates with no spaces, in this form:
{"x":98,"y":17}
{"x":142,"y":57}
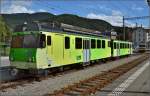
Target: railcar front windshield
{"x":28,"y":41}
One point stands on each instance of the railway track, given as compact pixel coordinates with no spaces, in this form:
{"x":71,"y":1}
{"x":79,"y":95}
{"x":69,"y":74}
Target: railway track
{"x":27,"y":80}
{"x":96,"y":83}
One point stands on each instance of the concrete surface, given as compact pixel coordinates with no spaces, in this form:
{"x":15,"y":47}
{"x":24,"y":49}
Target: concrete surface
{"x":139,"y":87}
{"x":4,"y":61}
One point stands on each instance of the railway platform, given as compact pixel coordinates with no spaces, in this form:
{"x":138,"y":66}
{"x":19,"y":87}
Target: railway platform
{"x":136,"y":82}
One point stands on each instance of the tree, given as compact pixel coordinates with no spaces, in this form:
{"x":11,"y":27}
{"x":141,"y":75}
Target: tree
{"x":4,"y":30}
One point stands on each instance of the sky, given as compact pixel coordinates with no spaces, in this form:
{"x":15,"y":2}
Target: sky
{"x":111,"y":11}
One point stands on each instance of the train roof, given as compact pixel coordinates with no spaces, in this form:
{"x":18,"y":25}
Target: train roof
{"x":36,"y":28}
{"x":57,"y":27}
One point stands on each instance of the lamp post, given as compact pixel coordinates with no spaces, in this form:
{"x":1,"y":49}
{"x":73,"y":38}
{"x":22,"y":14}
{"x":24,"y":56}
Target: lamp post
{"x":124,"y":34}
{"x":148,"y":2}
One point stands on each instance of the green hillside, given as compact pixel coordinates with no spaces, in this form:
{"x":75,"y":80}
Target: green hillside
{"x":15,"y":19}
{"x":75,"y":20}
{"x":95,"y":24}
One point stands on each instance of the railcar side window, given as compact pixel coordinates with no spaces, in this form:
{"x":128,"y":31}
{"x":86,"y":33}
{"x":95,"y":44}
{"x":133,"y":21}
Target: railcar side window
{"x":49,"y":40}
{"x":123,"y":45}
{"x":109,"y":44}
{"x":120,"y":45}
{"x":115,"y":46}
{"x":103,"y":43}
{"x":93,"y":43}
{"x":78,"y":43}
{"x":98,"y":43}
{"x":67,"y":42}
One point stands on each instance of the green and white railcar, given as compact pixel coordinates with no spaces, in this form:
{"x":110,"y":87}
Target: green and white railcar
{"x":121,"y":48}
{"x":43,"y":50}
{"x":35,"y":50}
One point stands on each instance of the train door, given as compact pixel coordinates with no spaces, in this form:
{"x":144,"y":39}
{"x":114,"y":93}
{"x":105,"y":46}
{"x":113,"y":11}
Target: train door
{"x":86,"y":50}
{"x":130,"y":48}
{"x":118,"y":49}
{"x":67,"y":51}
{"x":57,"y":48}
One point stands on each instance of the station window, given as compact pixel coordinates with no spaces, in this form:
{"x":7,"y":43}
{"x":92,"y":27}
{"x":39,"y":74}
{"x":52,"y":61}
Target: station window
{"x":78,"y":43}
{"x":98,"y":43}
{"x":109,"y":44}
{"x":48,"y":40}
{"x":93,"y":43}
{"x":115,"y":46}
{"x":103,"y":43}
{"x":67,"y":42}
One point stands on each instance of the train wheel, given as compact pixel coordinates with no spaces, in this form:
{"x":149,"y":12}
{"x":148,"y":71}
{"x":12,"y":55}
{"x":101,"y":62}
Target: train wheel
{"x":46,"y":73}
{"x":14,"y":72}
{"x":61,"y":69}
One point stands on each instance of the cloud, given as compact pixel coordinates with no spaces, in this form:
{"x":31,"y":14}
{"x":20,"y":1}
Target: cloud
{"x":17,"y":6}
{"x":113,"y":19}
{"x":17,"y":9}
{"x":116,"y":13}
{"x":42,"y":10}
{"x":116,"y":18}
{"x":137,"y":8}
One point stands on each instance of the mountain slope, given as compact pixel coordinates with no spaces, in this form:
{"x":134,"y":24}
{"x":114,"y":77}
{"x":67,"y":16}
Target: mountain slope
{"x":15,"y":19}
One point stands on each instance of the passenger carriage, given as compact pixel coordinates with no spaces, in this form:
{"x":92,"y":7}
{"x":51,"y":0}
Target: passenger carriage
{"x":36,"y":50}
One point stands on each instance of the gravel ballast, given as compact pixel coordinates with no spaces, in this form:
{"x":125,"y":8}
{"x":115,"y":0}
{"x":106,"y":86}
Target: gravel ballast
{"x":51,"y":84}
